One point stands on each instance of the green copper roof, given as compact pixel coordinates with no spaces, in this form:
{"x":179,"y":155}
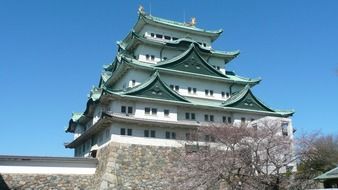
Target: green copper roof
{"x":245,"y":99}
{"x":190,"y":61}
{"x":132,"y":40}
{"x":332,"y":174}
{"x":144,"y":19}
{"x":124,"y":63}
{"x":154,"y":88}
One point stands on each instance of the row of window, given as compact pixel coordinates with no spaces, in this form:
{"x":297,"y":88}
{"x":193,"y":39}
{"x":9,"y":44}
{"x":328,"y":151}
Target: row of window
{"x":153,"y":111}
{"x":127,"y":109}
{"x":166,"y":37}
{"x":150,"y":57}
{"x":148,"y":133}
{"x":207,"y":117}
{"x":168,"y":135}
{"x":194,"y":90}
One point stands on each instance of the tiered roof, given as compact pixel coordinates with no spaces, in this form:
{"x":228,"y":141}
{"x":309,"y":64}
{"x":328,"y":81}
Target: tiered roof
{"x":144,"y":19}
{"x":189,"y":63}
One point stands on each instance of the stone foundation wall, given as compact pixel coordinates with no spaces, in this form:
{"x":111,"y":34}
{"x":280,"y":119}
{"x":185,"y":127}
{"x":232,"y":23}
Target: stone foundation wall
{"x":125,"y":166}
{"x":45,"y":182}
{"x":120,"y":166}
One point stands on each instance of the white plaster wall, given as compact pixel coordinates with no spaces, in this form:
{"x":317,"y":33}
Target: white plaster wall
{"x":97,"y":113}
{"x":170,"y":53}
{"x":199,"y":114}
{"x":216,"y":61}
{"x":139,"y":113}
{"x":140,"y":76}
{"x":78,"y":131}
{"x":200,"y":84}
{"x":142,"y":50}
{"x":138,"y":131}
{"x":173,"y":33}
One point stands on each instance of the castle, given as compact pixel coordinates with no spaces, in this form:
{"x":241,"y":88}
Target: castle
{"x":165,"y":81}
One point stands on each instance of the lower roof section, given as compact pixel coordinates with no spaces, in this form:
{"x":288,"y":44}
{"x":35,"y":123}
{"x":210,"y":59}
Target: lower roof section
{"x":108,"y":118}
{"x":47,"y":165}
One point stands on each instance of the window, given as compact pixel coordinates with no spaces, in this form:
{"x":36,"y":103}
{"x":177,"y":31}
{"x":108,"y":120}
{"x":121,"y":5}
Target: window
{"x":152,"y":34}
{"x":211,"y":118}
{"x":122,"y":131}
{"x":187,"y":115}
{"x":223,"y":94}
{"x":153,"y":111}
{"x":252,"y":119}
{"x":211,"y":92}
{"x":170,"y":135}
{"x":167,"y":37}
{"x":130,"y":109}
{"x":218,"y":68}
{"x":153,"y":133}
{"x":189,"y":89}
{"x":152,"y":57}
{"x":147,"y":111}
{"x":133,"y":82}
{"x":194,"y":90}
{"x":243,"y":120}
{"x":177,"y":88}
{"x":173,"y":135}
{"x":167,"y":135}
{"x":227,"y":94}
{"x":123,"y":109}
{"x":229,"y":120}
{"x":107,"y":132}
{"x":171,"y":86}
{"x":146,"y":133}
{"x":285,"y":128}
{"x":166,"y":113}
{"x":224,"y":119}
{"x":165,"y":58}
{"x":147,"y":57}
{"x":129,"y":132}
{"x":206,"y":92}
{"x":190,"y":116}
{"x":204,"y":44}
{"x":187,"y":136}
{"x":206,"y":138}
{"x":159,"y":36}
{"x":174,"y":38}
{"x":206,"y":117}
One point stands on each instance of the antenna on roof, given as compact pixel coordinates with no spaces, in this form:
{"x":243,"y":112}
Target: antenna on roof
{"x":150,"y":8}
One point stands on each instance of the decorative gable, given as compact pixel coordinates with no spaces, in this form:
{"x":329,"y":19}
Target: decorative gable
{"x":246,"y":100}
{"x":157,"y":89}
{"x":191,"y":61}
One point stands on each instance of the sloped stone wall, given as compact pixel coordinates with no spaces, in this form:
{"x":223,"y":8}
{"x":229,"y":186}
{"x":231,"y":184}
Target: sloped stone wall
{"x":45,"y":182}
{"x":125,"y":166}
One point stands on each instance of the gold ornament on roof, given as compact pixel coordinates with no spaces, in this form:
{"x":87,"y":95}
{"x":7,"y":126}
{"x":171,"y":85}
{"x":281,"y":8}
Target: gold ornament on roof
{"x":193,"y":21}
{"x":141,"y":9}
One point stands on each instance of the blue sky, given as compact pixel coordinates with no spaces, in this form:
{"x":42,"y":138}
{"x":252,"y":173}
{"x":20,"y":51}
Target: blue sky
{"x":52,"y":52}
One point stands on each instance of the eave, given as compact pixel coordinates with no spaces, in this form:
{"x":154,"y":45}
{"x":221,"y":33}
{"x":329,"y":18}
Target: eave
{"x":133,"y":63}
{"x":144,"y":19}
{"x":133,"y":40}
{"x":193,"y":105}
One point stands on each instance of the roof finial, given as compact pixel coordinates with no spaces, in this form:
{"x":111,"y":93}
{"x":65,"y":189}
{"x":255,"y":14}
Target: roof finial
{"x":141,"y":9}
{"x":192,"y":22}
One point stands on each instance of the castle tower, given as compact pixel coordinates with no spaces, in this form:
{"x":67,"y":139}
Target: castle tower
{"x":165,"y":81}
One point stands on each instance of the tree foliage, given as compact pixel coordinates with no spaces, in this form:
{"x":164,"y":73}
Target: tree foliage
{"x":240,"y":157}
